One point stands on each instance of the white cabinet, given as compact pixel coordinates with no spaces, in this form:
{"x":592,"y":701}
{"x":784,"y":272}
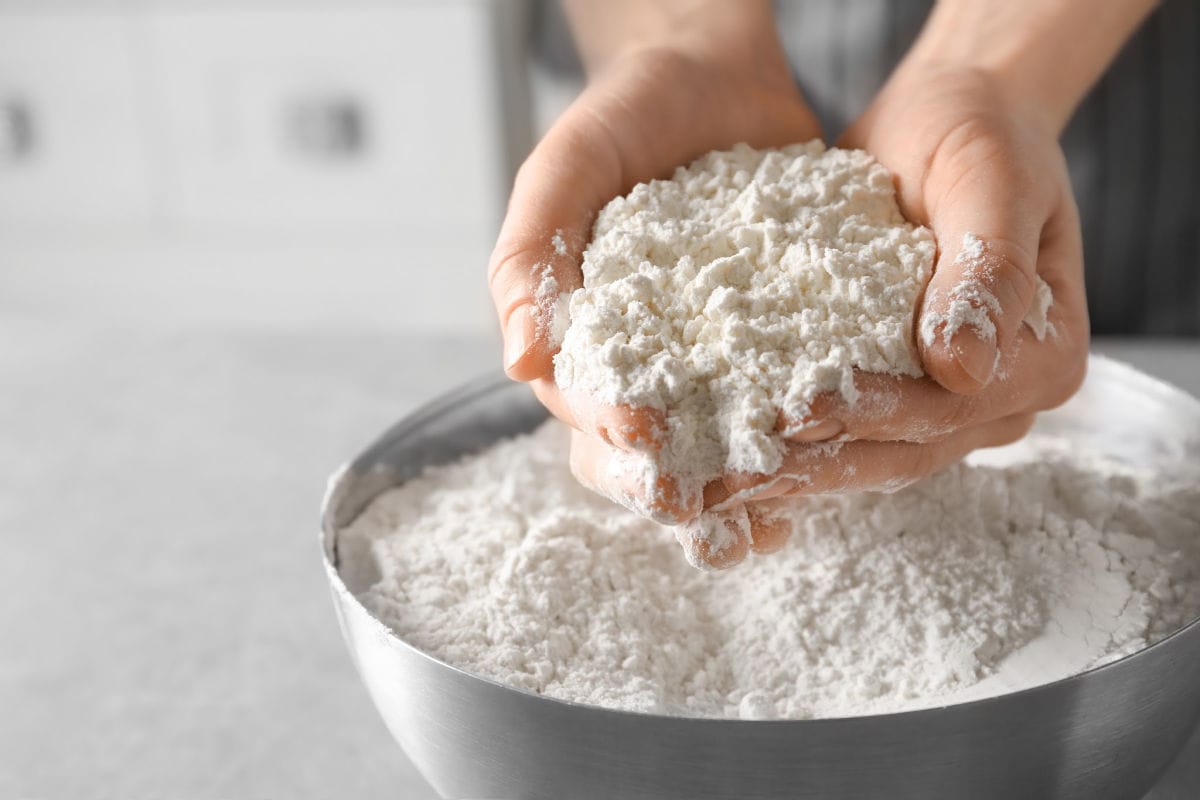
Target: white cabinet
{"x":73,"y":146}
{"x":381,"y":117}
{"x":281,"y":162}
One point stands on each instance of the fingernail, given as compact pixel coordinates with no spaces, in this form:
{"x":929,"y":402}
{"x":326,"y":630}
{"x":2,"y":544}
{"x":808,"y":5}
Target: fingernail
{"x":815,"y":432}
{"x":977,"y":358}
{"x":519,"y":335}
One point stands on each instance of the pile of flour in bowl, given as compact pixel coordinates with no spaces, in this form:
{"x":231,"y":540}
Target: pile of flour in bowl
{"x":977,"y":581}
{"x":739,"y":290}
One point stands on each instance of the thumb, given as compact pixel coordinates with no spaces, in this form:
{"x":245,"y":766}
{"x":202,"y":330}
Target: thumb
{"x":535,"y":264}
{"x":984,"y":281}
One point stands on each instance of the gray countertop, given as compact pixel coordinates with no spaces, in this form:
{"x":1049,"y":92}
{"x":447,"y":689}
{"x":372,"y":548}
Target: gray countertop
{"x":168,"y":630}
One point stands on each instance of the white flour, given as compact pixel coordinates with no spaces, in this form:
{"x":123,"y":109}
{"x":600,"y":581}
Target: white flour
{"x":976,"y":581}
{"x":743,"y":287}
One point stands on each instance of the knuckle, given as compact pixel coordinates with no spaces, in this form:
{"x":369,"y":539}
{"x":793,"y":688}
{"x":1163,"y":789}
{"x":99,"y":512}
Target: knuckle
{"x":665,"y":501}
{"x":822,"y":406}
{"x":975,"y":141}
{"x":507,"y":259}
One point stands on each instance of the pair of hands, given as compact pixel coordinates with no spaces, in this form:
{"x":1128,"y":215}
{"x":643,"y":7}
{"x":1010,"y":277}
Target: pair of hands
{"x":967,"y":158}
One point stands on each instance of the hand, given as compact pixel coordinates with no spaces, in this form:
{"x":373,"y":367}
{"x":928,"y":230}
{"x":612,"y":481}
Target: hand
{"x":984,"y":171}
{"x":647,"y":110}
{"x":967,"y":161}
{"x":968,"y":125}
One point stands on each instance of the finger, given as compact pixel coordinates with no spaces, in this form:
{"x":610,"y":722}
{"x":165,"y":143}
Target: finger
{"x":632,"y":480}
{"x":770,"y":525}
{"x":565,"y":181}
{"x":716,"y":539}
{"x":624,"y":427}
{"x":719,"y":497}
{"x":630,"y":428}
{"x":548,"y":393}
{"x":1060,"y":347}
{"x":988,"y":224}
{"x":834,"y":467}
{"x":1038,"y":370}
{"x":899,"y":408}
{"x":978,"y":297}
{"x":721,"y":539}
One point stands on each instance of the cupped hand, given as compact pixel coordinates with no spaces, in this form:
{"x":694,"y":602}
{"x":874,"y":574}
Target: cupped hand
{"x":647,"y":112}
{"x":985,"y":172}
{"x":982,"y":170}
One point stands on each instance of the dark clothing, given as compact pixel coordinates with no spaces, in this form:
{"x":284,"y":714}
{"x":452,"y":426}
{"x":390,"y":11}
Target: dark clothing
{"x":1133,"y":146}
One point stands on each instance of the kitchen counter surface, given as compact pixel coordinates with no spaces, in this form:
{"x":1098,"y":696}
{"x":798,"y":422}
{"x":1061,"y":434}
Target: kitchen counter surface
{"x":168,"y":630}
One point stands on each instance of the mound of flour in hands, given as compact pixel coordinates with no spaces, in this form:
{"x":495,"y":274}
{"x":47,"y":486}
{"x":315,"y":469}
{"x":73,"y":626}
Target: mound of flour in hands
{"x":739,"y":290}
{"x":979,"y":580}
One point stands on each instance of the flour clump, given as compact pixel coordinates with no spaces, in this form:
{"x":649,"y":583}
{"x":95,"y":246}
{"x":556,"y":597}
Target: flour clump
{"x":739,"y":290}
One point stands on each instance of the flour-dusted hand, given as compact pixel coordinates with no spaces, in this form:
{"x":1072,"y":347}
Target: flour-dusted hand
{"x":969,"y":125}
{"x":1003,"y":328}
{"x":727,"y":299}
{"x":668,"y":82}
{"x":1005,"y":310}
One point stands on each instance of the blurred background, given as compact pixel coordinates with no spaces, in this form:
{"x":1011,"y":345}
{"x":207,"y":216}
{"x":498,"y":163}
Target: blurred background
{"x":268,"y":162}
{"x":314,"y":162}
{"x":237,"y":241}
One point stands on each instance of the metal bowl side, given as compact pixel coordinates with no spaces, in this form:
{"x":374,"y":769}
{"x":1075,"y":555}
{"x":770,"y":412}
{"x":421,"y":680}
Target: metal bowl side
{"x":1108,"y":733}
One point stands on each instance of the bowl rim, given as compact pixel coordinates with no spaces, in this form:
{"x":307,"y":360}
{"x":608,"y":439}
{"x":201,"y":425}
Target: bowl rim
{"x":484,"y":384}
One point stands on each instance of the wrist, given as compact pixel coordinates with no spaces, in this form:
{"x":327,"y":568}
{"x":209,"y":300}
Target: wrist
{"x":736,"y":36}
{"x":1041,"y":55}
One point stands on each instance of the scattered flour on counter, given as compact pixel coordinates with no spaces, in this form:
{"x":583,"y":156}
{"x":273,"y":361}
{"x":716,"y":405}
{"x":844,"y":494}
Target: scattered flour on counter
{"x":743,"y":287}
{"x":979,"y":580}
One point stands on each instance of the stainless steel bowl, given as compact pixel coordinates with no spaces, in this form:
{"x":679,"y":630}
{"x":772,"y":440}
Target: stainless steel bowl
{"x":1107,"y":733}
